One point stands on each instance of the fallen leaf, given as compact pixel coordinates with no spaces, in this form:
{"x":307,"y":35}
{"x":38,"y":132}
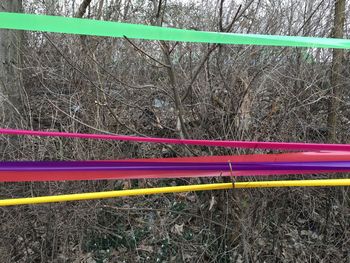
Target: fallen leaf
{"x":145,"y":248}
{"x":212,"y":203}
{"x":127,"y":185}
{"x":178,"y":229}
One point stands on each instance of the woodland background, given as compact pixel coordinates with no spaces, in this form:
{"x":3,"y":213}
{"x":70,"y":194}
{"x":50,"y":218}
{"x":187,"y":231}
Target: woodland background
{"x":166,"y":89}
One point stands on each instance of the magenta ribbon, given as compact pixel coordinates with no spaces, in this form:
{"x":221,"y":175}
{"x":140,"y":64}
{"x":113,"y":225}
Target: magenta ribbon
{"x":235,"y":144}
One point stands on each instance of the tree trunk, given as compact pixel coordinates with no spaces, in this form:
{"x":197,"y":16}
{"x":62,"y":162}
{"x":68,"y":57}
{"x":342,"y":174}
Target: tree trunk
{"x":338,"y":32}
{"x":10,"y":62}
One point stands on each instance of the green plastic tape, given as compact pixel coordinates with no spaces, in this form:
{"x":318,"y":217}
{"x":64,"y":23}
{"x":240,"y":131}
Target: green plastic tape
{"x":91,"y":27}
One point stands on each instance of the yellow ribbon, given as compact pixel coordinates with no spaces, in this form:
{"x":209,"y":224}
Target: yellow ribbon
{"x":174,"y":189}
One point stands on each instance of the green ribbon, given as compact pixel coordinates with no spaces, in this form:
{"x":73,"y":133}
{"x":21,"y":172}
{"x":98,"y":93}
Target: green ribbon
{"x":79,"y":26}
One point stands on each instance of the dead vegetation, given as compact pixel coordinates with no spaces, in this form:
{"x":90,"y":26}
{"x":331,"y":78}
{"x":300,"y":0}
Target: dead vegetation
{"x":92,"y":84}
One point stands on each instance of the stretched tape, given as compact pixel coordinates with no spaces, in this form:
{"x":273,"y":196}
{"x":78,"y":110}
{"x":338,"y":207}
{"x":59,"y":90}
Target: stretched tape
{"x":174,"y":189}
{"x":27,"y":175}
{"x":235,"y":144}
{"x":58,"y":24}
{"x":170,"y":166}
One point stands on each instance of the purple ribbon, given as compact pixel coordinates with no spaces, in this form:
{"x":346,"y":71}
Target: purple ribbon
{"x":169,"y":166}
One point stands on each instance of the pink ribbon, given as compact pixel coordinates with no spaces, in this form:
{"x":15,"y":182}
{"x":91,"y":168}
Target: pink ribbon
{"x":233,"y":144}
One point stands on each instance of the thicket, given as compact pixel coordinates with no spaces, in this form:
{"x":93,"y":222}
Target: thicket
{"x":166,"y":89}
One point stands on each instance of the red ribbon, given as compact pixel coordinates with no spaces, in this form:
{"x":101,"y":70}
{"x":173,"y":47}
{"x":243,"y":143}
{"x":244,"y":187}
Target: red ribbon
{"x":98,"y":175}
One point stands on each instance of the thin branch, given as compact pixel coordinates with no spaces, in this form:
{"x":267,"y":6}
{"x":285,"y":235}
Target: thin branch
{"x":146,"y":86}
{"x":159,"y":9}
{"x":172,"y":80}
{"x":81,"y":72}
{"x":145,"y":53}
{"x":237,"y":16}
{"x":220,"y":15}
{"x":77,"y":120}
{"x":198,"y":70}
{"x":70,"y":63}
{"x":82,"y":8}
{"x":211,"y":49}
{"x":310,"y":16}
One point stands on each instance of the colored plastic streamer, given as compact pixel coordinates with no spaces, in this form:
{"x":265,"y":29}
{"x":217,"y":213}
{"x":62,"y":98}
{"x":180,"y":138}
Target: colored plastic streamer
{"x":173,"y":189}
{"x":236,"y":144}
{"x":164,"y":166}
{"x":27,"y":175}
{"x":59,"y":24}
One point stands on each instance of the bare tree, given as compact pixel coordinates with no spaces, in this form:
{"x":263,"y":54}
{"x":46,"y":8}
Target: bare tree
{"x":338,"y":32}
{"x":10,"y":61}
